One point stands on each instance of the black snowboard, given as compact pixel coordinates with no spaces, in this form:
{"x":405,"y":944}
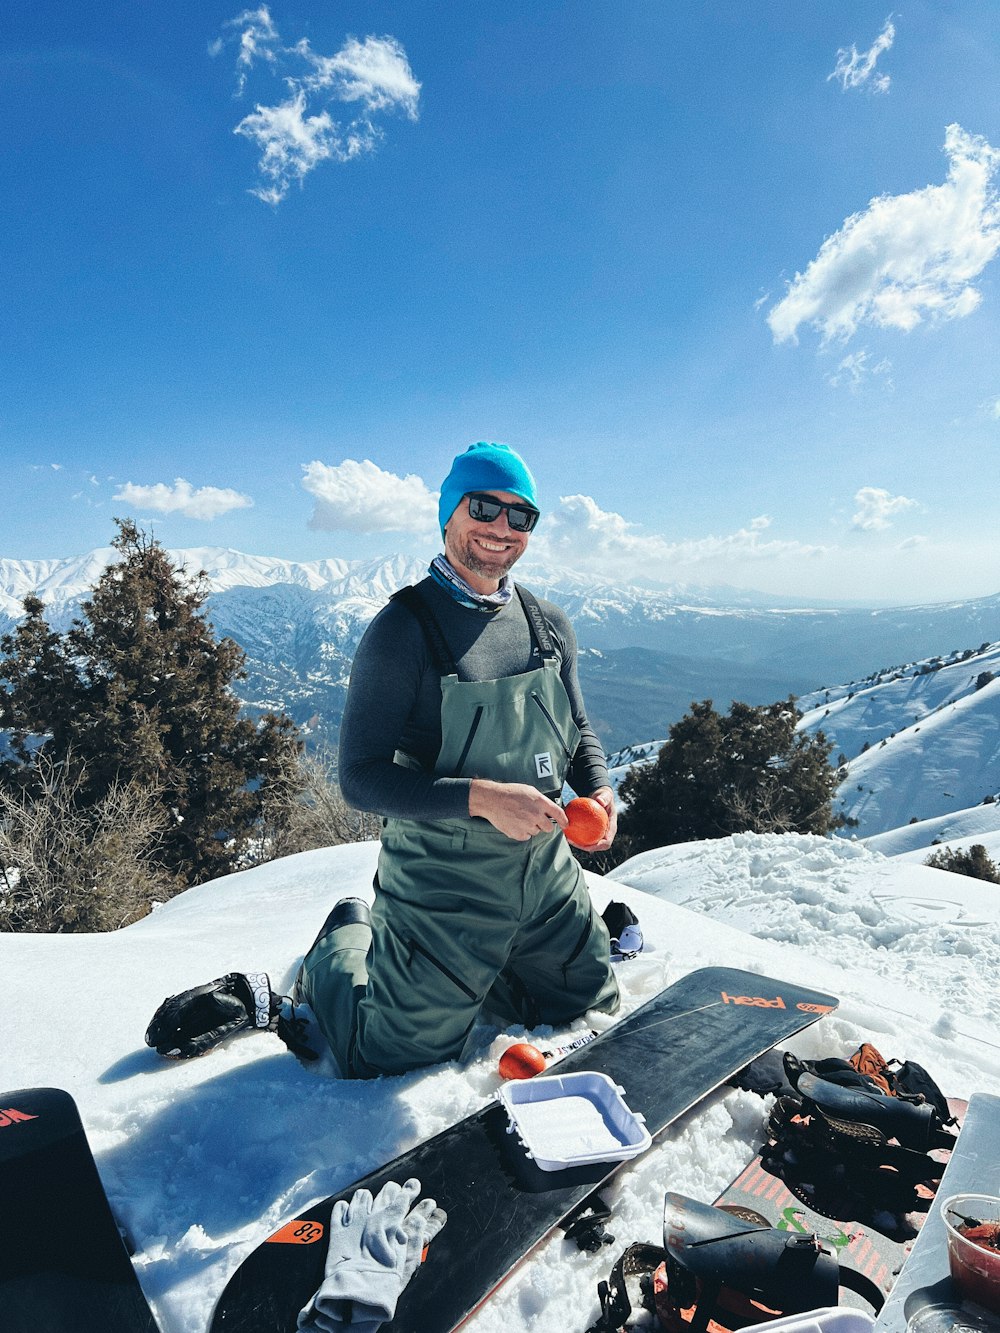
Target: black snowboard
{"x":63,"y":1264}
{"x":667,"y":1056}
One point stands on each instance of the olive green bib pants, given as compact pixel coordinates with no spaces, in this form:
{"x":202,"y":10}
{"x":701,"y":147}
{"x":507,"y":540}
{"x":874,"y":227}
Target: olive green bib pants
{"x":466,"y":919}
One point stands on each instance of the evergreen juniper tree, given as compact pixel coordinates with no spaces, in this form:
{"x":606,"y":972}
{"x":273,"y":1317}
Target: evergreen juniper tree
{"x":138,"y":688}
{"x":974,"y":861}
{"x":750,"y":770}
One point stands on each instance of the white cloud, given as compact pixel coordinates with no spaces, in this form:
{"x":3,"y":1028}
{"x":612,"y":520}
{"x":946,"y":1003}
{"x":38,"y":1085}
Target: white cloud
{"x":876,"y":508}
{"x":361,"y":497}
{"x":580,"y":534}
{"x":856,"y":368}
{"x":297,"y":134}
{"x":207,"y":502}
{"x":257,"y":38}
{"x":905,"y":257}
{"x":854,"y":70}
{"x":375,"y":72}
{"x":292,"y":144}
{"x":992,"y":408}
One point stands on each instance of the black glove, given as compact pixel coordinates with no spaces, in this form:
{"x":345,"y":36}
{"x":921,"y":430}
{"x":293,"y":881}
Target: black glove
{"x":198,"y":1019}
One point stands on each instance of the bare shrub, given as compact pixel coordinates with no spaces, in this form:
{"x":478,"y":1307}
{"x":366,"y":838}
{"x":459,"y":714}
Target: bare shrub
{"x":65,"y":866}
{"x":304,"y":809}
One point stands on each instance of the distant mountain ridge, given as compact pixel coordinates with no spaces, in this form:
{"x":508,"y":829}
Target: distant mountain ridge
{"x":645,"y":653}
{"x":62,"y":584}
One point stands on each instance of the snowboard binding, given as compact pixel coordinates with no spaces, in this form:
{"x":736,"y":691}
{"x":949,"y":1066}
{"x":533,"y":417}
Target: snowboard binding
{"x":848,"y":1143}
{"x":868,"y":1114}
{"x":630,"y":1287}
{"x":727,"y":1267}
{"x":838,"y":1186}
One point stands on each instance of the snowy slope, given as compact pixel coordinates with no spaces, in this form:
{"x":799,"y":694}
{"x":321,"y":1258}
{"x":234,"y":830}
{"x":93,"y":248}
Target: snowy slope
{"x":958,"y":831}
{"x":921,"y":741}
{"x":805,"y":892}
{"x":922,"y":744}
{"x":203,"y":1159}
{"x":863,"y":713}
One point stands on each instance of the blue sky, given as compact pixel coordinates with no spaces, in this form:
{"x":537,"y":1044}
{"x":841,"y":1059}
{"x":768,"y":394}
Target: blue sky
{"x":725,"y":274}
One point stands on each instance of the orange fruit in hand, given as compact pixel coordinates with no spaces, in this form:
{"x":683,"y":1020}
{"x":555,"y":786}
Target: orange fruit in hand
{"x":588,"y":821}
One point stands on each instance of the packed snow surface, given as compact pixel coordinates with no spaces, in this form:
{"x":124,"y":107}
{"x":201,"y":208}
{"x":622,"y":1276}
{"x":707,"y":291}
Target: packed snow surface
{"x":203,"y":1159}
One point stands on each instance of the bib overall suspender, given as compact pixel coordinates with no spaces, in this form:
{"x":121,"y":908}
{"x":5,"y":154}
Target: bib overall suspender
{"x":414,"y":602}
{"x":517,"y":728}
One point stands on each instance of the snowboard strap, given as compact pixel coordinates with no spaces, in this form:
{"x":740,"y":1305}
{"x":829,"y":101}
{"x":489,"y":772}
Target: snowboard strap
{"x":846,"y":1095}
{"x":710,"y":1248}
{"x":586,"y":1227}
{"x":631,"y":1280}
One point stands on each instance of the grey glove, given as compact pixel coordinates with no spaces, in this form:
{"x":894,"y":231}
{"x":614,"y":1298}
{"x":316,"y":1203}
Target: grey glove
{"x":375,"y":1248}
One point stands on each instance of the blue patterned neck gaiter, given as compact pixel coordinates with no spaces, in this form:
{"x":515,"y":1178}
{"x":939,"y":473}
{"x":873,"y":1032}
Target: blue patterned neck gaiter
{"x":443,"y":573}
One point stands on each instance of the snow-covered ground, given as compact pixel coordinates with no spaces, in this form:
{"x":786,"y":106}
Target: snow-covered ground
{"x":203,"y":1159}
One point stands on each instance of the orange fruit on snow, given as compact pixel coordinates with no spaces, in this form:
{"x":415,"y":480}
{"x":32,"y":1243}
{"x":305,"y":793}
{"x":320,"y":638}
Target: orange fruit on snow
{"x":588,"y":821}
{"x":522,"y":1060}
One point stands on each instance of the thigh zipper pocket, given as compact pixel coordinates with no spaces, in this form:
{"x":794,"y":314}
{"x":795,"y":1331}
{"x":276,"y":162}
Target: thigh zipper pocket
{"x":413,"y":947}
{"x":578,"y":949}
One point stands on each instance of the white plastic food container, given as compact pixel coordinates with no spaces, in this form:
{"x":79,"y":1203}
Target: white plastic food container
{"x":570,"y":1119}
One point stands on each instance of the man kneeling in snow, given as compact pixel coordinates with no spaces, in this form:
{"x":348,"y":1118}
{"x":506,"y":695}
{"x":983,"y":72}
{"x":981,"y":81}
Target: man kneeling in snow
{"x":464,"y":718}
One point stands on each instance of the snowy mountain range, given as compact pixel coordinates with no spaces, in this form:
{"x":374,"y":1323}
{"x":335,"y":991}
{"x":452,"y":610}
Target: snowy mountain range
{"x":646,"y":653}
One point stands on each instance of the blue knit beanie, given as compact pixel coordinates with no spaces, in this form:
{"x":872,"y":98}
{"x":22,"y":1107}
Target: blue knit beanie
{"x":485,"y":467}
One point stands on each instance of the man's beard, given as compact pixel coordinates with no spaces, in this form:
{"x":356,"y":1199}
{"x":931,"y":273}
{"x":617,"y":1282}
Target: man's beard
{"x":493,"y":569}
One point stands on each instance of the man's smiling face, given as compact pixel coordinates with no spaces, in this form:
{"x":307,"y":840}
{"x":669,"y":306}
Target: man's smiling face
{"x":483,"y":552}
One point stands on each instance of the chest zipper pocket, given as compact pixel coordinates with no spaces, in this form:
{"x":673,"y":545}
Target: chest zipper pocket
{"x":552,"y":723}
{"x":477,"y":717}
{"x":413,"y":947}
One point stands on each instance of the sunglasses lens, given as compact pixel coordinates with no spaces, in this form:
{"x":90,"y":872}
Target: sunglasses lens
{"x":484,"y":509}
{"x":521,"y":520}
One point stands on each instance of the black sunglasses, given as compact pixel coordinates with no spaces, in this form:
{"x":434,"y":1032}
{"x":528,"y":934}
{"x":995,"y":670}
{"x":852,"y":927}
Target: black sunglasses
{"x":485,"y":509}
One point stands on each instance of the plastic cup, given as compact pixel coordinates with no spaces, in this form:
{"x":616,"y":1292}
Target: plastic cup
{"x":951,"y":1319}
{"x":975,"y":1267}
